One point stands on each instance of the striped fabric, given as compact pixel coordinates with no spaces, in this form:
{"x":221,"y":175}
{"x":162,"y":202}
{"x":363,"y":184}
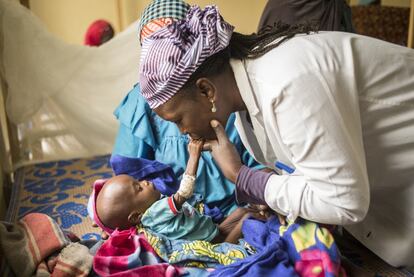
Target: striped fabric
{"x":43,"y":237}
{"x":37,"y":246}
{"x":129,"y":254}
{"x":172,"y":206}
{"x":171,"y":55}
{"x":172,"y":9}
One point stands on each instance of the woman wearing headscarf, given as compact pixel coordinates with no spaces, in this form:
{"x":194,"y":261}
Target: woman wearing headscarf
{"x":143,"y":134}
{"x":332,"y":112}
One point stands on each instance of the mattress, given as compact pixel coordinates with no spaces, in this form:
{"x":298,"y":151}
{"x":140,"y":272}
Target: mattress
{"x":61,"y":190}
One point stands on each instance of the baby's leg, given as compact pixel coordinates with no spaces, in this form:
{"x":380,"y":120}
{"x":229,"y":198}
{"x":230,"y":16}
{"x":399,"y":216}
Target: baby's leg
{"x":231,"y":228}
{"x":232,"y":220}
{"x":236,"y":233}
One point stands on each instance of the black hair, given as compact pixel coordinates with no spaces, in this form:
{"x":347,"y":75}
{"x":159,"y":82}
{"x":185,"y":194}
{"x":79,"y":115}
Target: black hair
{"x":249,"y":47}
{"x":107,"y":34}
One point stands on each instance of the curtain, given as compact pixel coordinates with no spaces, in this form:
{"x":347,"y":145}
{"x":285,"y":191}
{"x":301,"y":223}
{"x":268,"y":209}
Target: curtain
{"x":61,"y":96}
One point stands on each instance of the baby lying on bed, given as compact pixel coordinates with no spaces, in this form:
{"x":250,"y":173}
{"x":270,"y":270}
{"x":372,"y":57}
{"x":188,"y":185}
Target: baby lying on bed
{"x":123,"y":202}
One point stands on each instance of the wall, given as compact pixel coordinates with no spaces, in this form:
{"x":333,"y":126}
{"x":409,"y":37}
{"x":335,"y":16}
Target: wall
{"x":69,"y":19}
{"x":243,"y":14}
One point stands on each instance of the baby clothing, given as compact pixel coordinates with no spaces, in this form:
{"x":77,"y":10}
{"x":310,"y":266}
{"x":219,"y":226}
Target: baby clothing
{"x":188,"y":223}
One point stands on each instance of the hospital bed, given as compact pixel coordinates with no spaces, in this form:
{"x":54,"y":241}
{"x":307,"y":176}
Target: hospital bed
{"x":34,"y":180}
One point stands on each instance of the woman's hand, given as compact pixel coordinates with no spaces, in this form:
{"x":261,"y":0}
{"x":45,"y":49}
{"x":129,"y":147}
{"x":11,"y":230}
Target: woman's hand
{"x":224,"y":153}
{"x":263,"y":212}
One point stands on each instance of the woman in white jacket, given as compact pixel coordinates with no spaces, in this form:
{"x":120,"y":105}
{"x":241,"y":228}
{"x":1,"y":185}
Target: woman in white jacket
{"x":332,"y":112}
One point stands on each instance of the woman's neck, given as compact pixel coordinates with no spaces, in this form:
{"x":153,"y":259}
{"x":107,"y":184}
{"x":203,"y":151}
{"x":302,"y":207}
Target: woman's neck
{"x":238,"y":103}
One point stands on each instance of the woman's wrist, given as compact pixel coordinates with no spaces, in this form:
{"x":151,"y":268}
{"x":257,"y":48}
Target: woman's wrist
{"x":250,"y":185}
{"x":235,"y":172}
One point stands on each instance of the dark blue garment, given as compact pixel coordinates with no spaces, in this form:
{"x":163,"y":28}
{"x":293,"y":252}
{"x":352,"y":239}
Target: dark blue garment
{"x":215,"y":213}
{"x":271,"y":258}
{"x":161,"y":175}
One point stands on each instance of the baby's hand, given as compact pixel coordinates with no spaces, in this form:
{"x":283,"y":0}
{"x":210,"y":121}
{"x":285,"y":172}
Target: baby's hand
{"x":195,"y":147}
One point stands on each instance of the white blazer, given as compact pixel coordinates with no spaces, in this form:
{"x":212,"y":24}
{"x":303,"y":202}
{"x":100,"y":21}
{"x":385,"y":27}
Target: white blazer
{"x":339,"y":109}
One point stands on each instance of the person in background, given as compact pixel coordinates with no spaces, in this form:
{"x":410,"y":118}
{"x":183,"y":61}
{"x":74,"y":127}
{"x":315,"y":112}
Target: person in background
{"x":99,"y":32}
{"x":329,"y":15}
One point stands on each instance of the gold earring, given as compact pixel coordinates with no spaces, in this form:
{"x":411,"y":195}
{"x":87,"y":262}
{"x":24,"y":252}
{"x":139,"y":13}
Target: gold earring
{"x":213,"y":108}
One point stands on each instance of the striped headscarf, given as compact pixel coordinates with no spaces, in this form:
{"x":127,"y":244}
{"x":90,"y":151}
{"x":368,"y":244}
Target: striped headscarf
{"x":159,"y":14}
{"x":172,"y":54}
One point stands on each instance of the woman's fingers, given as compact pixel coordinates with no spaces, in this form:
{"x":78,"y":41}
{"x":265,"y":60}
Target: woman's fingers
{"x":282,"y":219}
{"x":266,"y":211}
{"x":221,"y":135}
{"x":220,"y":132}
{"x":209,"y":145}
{"x":224,"y":153}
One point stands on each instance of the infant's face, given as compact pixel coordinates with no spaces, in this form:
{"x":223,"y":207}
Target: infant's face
{"x":121,"y":196}
{"x":140,"y":194}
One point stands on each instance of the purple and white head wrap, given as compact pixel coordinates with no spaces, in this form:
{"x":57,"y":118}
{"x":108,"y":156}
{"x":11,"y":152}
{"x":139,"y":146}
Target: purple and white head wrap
{"x":171,"y":55}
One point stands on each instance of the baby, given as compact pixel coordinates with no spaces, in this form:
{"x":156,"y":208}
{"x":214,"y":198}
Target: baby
{"x":123,"y":202}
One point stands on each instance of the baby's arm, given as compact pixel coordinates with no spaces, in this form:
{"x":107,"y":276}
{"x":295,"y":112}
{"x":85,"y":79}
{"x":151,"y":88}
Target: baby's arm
{"x":194,"y":149}
{"x":187,"y":183}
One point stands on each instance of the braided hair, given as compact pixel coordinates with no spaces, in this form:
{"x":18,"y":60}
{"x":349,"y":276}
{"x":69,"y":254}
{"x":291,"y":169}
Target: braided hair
{"x":249,"y":47}
{"x":256,"y":45}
